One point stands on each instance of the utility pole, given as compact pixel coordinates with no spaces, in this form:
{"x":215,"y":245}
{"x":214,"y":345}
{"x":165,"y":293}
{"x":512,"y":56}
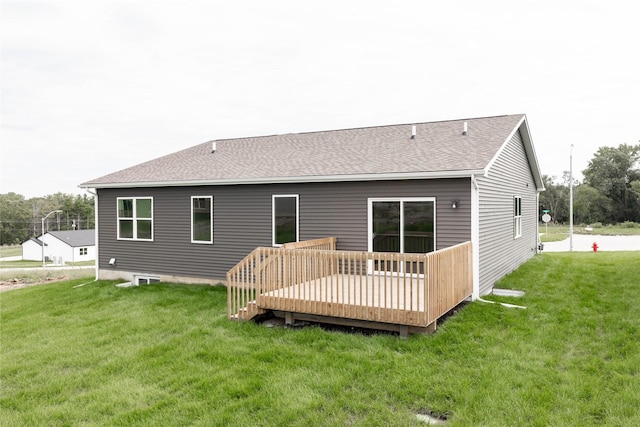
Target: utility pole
{"x":43,"y":219}
{"x":571,"y":198}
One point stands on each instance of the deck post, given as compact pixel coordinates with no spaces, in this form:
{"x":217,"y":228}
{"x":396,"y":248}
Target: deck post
{"x":404,"y":331}
{"x":288,"y":318}
{"x":431,"y":327}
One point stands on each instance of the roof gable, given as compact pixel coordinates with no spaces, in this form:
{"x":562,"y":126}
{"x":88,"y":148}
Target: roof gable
{"x":439,"y":149}
{"x":33,"y":240}
{"x":525,"y":134}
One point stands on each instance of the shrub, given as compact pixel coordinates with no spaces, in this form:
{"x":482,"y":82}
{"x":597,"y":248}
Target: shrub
{"x":596,"y":225}
{"x":629,"y":224}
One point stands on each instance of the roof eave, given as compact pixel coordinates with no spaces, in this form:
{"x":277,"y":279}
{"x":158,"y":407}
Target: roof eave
{"x":293,"y":179}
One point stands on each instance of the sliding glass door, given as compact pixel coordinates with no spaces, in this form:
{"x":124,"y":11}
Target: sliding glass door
{"x":404,"y":225}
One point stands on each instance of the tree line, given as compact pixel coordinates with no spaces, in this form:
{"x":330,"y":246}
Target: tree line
{"x":609,"y":194}
{"x":21,"y":218}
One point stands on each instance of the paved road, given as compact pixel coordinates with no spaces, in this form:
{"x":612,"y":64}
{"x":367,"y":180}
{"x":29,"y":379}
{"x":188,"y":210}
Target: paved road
{"x":584,"y":242}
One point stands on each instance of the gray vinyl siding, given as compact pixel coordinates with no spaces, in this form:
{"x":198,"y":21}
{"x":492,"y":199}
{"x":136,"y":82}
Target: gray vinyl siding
{"x":242,"y":221}
{"x":499,"y":252}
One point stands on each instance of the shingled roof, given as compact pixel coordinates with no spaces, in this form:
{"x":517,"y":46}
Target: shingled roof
{"x":76,"y":238}
{"x":439,"y":149}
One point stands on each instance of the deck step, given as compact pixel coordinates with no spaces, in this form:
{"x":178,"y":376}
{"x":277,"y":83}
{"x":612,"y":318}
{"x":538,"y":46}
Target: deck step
{"x":249,"y":312}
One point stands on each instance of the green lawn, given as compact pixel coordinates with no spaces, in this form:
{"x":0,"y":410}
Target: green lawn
{"x":167,"y":355}
{"x":554,"y":233}
{"x":36,"y":264}
{"x":10,"y":250}
{"x":23,"y":264}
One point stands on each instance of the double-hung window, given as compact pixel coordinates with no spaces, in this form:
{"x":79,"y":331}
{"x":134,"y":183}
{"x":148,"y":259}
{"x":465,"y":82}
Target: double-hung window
{"x":285,"y":219}
{"x":135,"y":218}
{"x":517,"y":217}
{"x":201,"y":219}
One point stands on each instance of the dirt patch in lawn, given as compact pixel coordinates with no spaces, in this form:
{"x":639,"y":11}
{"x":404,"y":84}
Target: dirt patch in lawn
{"x":19,"y":283}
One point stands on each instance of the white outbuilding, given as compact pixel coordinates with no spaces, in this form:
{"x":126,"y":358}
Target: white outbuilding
{"x":62,"y":246}
{"x":32,"y":250}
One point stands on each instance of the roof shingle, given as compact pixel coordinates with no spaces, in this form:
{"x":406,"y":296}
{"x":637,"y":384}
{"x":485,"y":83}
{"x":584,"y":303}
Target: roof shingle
{"x":76,"y":238}
{"x":437,"y":147}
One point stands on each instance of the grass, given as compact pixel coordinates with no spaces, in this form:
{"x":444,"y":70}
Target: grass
{"x":36,"y":264}
{"x":166,"y":354}
{"x":22,"y":264}
{"x":560,"y":232}
{"x":10,"y":250}
{"x":36,"y":275}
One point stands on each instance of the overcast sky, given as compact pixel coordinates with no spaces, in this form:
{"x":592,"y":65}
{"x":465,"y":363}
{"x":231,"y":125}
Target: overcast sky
{"x":92,"y":87}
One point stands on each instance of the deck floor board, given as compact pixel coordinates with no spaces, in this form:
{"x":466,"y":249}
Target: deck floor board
{"x":382,"y":292}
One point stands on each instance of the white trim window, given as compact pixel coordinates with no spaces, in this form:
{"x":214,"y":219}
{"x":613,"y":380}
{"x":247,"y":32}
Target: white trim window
{"x":517,"y":217}
{"x":135,"y":218}
{"x":285,"y":219}
{"x":202,"y":219}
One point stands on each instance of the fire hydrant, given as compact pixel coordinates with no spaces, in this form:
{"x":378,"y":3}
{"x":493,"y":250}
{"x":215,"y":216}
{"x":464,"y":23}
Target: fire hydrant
{"x":595,"y":247}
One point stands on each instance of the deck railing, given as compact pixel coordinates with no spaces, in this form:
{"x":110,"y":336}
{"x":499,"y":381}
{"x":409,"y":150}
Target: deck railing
{"x":242,"y":279}
{"x":327,"y":243}
{"x":406,"y":289}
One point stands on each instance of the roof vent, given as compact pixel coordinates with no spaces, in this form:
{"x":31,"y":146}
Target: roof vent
{"x":213,"y":147}
{"x":464,"y":129}
{"x":413,"y":132}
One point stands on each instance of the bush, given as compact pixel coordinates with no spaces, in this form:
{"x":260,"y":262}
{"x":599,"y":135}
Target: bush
{"x":629,"y":224}
{"x":596,"y":225}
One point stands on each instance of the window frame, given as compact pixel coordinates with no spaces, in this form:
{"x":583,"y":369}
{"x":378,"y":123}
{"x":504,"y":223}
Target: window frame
{"x":134,"y":218}
{"x":273,"y":217}
{"x":202,"y":242}
{"x":83,"y":251}
{"x":145,"y":280}
{"x":401,"y":200}
{"x":517,"y":217}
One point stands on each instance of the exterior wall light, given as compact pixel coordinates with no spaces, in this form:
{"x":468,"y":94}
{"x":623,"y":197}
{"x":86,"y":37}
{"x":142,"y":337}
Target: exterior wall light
{"x":455,"y":204}
{"x":112,"y":261}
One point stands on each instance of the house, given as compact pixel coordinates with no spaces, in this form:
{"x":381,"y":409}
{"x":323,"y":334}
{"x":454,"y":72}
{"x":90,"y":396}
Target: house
{"x":193,"y":215}
{"x":62,"y":246}
{"x":32,"y":249}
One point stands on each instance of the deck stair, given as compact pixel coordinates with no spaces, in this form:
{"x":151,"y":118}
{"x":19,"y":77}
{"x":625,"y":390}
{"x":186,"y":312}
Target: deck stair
{"x":248,"y":312}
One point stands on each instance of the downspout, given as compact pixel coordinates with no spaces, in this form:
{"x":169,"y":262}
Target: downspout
{"x":475,"y":236}
{"x":538,"y":241}
{"x":95,"y":207}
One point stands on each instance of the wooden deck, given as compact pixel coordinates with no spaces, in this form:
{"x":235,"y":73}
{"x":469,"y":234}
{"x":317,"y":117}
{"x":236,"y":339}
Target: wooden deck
{"x":378,"y":290}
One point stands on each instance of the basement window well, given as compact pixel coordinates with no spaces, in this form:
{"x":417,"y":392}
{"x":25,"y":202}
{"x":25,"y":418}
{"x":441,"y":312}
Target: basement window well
{"x":145,"y":280}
